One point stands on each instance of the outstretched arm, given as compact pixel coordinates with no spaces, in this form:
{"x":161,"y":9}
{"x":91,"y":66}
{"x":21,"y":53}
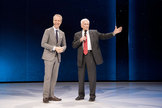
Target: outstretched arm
{"x":104,"y":36}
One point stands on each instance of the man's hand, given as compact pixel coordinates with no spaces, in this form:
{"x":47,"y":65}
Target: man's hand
{"x":59,"y":49}
{"x":117,"y":30}
{"x":82,"y":39}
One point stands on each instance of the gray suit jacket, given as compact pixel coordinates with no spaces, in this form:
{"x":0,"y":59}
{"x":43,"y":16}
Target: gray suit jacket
{"x":49,"y":41}
{"x":94,"y":37}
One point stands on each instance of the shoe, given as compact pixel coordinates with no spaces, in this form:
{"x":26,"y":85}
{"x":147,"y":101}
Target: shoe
{"x":91,"y":99}
{"x":54,"y":99}
{"x":79,"y":98}
{"x":45,"y":100}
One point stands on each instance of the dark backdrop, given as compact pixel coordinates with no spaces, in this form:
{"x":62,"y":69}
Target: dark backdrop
{"x":135,"y":54}
{"x":145,"y":45}
{"x":22,"y":26}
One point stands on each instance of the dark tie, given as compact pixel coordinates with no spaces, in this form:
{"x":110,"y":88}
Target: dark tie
{"x":85,"y":48}
{"x":57,"y":36}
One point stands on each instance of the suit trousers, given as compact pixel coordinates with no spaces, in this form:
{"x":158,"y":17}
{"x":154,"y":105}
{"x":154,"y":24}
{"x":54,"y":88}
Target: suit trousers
{"x":50,"y":78}
{"x":88,"y":61}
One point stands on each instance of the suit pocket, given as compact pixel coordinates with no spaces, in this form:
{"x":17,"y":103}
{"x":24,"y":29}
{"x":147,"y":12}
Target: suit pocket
{"x":48,"y":55}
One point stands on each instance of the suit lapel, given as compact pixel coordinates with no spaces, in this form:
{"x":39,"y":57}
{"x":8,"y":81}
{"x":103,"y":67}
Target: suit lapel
{"x":91,"y":38}
{"x":60,"y":37}
{"x":53,"y":35}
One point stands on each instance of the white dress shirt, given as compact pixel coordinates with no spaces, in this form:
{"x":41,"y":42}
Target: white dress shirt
{"x":88,"y":39}
{"x":54,"y":47}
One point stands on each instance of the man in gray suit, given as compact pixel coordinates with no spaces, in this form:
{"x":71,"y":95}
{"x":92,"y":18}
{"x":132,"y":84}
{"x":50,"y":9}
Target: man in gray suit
{"x":54,"y":43}
{"x":89,"y":54}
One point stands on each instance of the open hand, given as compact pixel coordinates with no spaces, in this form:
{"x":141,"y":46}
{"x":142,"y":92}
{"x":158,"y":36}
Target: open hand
{"x":117,"y":30}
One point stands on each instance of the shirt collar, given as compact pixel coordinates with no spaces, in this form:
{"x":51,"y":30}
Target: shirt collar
{"x":55,"y":29}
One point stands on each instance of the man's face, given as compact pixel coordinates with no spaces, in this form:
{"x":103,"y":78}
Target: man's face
{"x":85,"y":25}
{"x":57,"y":21}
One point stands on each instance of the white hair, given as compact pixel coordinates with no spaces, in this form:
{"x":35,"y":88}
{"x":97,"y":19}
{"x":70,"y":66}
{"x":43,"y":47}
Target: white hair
{"x":85,"y":19}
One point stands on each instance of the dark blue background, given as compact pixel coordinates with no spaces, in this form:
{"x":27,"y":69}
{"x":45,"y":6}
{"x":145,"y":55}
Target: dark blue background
{"x":145,"y":40}
{"x":22,"y":24}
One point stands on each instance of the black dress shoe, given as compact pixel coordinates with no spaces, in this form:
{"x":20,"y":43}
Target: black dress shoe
{"x":91,"y":99}
{"x":45,"y":100}
{"x":79,"y":98}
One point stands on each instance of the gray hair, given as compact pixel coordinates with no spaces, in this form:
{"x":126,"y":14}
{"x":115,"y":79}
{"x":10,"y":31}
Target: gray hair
{"x":85,"y":19}
{"x":58,"y":16}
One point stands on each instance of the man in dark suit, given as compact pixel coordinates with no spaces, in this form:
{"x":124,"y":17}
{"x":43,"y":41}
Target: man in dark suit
{"x":54,"y":43}
{"x":89,"y":54}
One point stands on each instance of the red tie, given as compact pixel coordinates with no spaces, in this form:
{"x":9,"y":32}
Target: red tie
{"x":85,"y":49}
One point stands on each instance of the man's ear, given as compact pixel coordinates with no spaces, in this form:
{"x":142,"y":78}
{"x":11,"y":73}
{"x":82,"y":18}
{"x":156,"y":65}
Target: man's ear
{"x":81,"y":26}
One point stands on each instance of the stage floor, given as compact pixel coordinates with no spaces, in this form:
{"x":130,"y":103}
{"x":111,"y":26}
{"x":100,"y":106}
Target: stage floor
{"x":108,"y":95}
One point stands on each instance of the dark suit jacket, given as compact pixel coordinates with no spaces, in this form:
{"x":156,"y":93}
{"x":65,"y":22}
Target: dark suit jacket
{"x":94,"y":37}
